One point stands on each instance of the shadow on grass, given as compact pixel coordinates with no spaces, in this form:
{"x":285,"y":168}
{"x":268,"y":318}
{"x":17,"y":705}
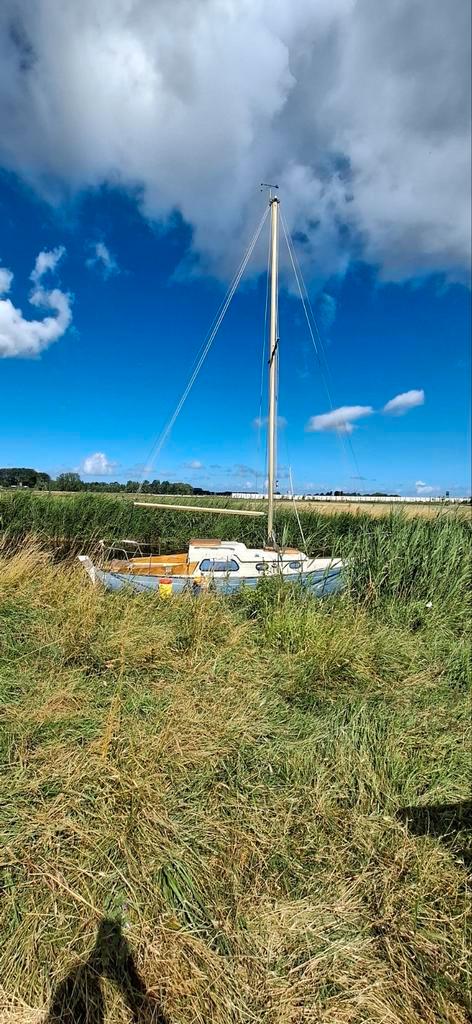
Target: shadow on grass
{"x":78,"y":999}
{"x":452,"y":823}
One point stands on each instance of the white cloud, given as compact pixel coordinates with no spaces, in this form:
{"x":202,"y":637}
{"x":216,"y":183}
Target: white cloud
{"x":46,"y":260}
{"x":402,"y":403}
{"x":103,"y":260}
{"x":423,"y":488}
{"x":343,"y":420}
{"x":339,"y":420}
{"x":194,"y":464}
{"x":6,"y":278}
{"x":262,"y":421}
{"x":359,"y":110}
{"x":98,"y":465}
{"x":27,"y":338}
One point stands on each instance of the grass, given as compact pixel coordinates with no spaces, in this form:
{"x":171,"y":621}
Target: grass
{"x":245,"y":810}
{"x":77,"y":520}
{"x":372,"y":508}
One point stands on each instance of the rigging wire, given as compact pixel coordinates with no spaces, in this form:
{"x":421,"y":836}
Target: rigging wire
{"x":312,"y":323}
{"x":300,"y":527}
{"x":316,"y":335}
{"x":203,"y":352}
{"x":292,"y":494}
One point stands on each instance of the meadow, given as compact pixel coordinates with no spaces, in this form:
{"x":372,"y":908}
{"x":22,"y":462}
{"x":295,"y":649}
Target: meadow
{"x":252,"y":809}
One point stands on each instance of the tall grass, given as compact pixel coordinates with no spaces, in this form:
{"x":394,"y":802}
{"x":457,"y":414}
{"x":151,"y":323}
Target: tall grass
{"x":83,"y":518}
{"x":407,"y":558}
{"x":88,"y":517}
{"x":265,"y":796}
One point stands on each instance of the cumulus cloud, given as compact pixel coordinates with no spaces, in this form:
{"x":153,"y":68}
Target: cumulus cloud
{"x":359,"y":110}
{"x":194,"y":464}
{"x":6,"y":278}
{"x":101,"y":259}
{"x":46,"y":260}
{"x":98,"y":465}
{"x":27,"y":338}
{"x":423,"y":488}
{"x":340,"y":420}
{"x":402,"y":403}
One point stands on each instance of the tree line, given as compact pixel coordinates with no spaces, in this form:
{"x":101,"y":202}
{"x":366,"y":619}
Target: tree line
{"x":35,"y":480}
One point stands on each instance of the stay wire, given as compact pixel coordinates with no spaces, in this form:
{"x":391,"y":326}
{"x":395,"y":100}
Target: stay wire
{"x":203,"y":352}
{"x":344,"y":440}
{"x":319,"y":348}
{"x":292,"y":495}
{"x":300,"y":527}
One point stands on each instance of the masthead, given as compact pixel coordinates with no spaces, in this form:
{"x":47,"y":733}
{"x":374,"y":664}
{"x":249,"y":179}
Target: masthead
{"x":264,"y":185}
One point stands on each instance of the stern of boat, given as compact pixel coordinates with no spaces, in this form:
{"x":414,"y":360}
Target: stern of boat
{"x":89,"y":567}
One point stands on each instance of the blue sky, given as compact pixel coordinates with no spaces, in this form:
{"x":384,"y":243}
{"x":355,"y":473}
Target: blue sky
{"x":109,"y":384}
{"x":122,"y":162}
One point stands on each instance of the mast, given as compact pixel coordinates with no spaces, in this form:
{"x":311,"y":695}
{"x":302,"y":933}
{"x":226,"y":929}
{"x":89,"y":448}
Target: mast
{"x":273,"y":362}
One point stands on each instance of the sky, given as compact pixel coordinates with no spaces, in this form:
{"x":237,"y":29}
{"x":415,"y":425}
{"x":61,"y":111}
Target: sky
{"x":134,"y":139}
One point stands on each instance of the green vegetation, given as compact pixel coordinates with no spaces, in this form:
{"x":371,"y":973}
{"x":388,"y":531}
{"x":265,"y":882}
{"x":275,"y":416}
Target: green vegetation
{"x":77,"y":520}
{"x":265,"y":796}
{"x":22,"y":477}
{"x":73,"y":482}
{"x":31,"y":478}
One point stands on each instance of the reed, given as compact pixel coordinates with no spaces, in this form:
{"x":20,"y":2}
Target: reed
{"x":394,"y":541}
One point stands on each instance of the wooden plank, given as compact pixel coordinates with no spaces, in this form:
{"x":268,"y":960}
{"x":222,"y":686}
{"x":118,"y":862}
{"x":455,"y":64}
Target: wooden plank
{"x":200,"y":508}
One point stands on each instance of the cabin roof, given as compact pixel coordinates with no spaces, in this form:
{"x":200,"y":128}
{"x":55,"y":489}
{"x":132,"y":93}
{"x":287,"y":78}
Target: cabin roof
{"x":286,"y":551}
{"x":211,"y":543}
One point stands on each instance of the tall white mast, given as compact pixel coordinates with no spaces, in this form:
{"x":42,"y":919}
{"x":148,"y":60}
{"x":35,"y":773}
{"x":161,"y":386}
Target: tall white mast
{"x":273,"y":361}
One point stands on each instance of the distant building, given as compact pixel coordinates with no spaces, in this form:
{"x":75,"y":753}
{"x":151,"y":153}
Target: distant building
{"x":387,"y":499}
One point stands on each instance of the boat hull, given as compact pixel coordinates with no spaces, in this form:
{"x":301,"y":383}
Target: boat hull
{"x":319,"y":582}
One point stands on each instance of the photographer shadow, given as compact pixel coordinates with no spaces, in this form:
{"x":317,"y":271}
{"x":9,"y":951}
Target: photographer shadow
{"x":78,"y":999}
{"x":451,"y":823}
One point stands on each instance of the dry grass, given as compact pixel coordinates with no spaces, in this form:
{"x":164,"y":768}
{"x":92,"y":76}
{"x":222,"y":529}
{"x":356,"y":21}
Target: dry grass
{"x":379,"y":508}
{"x":373,"y":508}
{"x":236,"y":790}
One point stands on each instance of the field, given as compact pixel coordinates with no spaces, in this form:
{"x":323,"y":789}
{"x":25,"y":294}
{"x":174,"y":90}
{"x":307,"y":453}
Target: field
{"x":431,"y":511}
{"x":224,"y":811}
{"x":381,"y":508}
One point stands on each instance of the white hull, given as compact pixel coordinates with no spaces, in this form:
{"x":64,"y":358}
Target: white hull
{"x":224,"y":566}
{"x":321,"y":581}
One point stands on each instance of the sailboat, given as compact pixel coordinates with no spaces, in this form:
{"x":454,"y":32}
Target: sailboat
{"x":225,"y":566}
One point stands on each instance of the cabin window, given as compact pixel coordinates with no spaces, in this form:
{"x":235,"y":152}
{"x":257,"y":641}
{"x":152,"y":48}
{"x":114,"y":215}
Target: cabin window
{"x":294,"y":565}
{"x":213,"y":565}
{"x":262,"y":566}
